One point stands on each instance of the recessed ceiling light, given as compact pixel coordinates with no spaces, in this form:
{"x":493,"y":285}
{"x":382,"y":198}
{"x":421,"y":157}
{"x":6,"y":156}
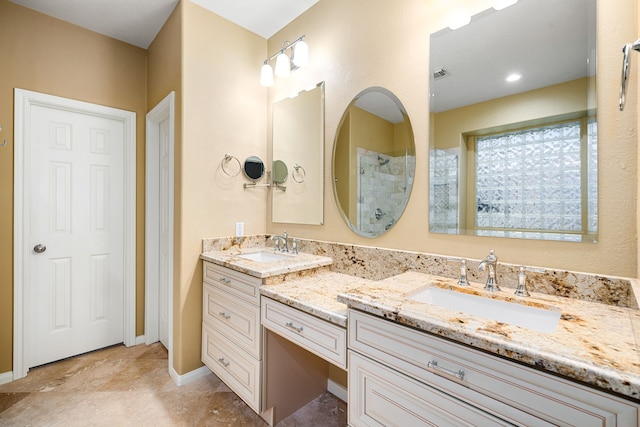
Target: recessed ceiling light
{"x":514,"y":77}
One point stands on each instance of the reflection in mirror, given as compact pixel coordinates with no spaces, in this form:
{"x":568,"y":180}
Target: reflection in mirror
{"x":298,"y":139}
{"x":280,"y":172}
{"x":373,"y":162}
{"x":253,"y":168}
{"x":516,"y":157}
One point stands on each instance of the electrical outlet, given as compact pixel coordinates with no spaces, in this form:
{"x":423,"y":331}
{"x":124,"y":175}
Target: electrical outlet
{"x":239,"y":229}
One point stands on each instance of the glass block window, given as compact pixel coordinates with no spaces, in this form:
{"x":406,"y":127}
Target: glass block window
{"x":532,"y":180}
{"x":443,"y":198}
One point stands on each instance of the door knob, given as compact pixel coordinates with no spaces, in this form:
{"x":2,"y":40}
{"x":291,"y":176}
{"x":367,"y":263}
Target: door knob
{"x":39,"y":248}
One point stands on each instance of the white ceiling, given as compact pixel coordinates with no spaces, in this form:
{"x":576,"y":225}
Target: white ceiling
{"x":547,"y":41}
{"x":138,"y":21}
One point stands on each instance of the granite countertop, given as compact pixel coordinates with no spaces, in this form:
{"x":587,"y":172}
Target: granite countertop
{"x":593,"y":343}
{"x":290,"y":263}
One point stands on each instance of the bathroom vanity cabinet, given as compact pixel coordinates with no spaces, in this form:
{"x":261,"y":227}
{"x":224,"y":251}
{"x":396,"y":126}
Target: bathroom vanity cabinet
{"x":321,"y":338}
{"x":231,"y":332}
{"x":401,"y":376}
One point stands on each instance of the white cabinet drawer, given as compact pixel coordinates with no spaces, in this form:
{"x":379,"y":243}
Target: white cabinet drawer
{"x":238,"y":284}
{"x":385,"y":397}
{"x":322,"y":338}
{"x":234,"y":367}
{"x":236,"y":319}
{"x":551,"y":398}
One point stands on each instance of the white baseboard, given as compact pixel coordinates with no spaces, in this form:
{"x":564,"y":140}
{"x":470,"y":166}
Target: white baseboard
{"x":140,"y":340}
{"x":6,"y":377}
{"x":337,"y":390}
{"x":185,"y":379}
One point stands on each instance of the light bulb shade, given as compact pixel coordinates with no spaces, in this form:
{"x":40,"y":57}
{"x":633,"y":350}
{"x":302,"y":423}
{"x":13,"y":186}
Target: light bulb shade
{"x":502,"y":4}
{"x":458,"y":18}
{"x":266,"y":75}
{"x":301,"y":54}
{"x":283,"y":66}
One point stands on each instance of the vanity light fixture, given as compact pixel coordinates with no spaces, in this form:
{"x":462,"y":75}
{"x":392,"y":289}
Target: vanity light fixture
{"x":502,"y":4}
{"x":284,"y":64}
{"x":458,"y":18}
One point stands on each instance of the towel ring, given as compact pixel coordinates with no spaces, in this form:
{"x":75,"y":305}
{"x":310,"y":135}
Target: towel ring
{"x":227,"y":158}
{"x":297,"y":168}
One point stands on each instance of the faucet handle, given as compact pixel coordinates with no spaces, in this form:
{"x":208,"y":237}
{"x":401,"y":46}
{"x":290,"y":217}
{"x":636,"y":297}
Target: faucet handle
{"x":294,"y":246}
{"x":521,"y":291}
{"x":462,"y":281}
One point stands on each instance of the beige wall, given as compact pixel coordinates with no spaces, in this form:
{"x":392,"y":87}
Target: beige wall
{"x":552,"y":101}
{"x":224,"y":111}
{"x":389,"y":47}
{"x":43,"y":54}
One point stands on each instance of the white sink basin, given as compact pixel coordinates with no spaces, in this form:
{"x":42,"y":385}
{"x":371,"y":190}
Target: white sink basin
{"x":534,"y":318}
{"x":264,"y":256}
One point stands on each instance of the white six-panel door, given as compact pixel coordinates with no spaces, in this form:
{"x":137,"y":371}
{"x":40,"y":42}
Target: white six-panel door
{"x":74,"y":246}
{"x":76,"y":213}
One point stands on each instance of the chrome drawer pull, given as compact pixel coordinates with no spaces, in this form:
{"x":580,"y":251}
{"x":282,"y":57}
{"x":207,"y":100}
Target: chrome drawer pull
{"x":223,"y":362}
{"x":225,"y":315}
{"x":439,"y":370}
{"x":224,"y":280}
{"x":290,"y":325}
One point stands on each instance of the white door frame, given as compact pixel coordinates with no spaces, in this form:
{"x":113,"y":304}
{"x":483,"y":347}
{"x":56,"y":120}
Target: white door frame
{"x":24,"y":100}
{"x":164,"y":110}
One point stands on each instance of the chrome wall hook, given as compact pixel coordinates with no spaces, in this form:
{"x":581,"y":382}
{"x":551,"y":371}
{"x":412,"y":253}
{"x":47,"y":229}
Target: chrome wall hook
{"x":5,"y":142}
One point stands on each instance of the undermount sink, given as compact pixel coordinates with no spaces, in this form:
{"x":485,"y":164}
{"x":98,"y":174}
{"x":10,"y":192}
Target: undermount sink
{"x":264,"y":256}
{"x":534,"y":318}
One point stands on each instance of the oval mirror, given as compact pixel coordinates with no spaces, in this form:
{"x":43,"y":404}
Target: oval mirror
{"x":280,"y":172}
{"x":253,"y":168}
{"x":373,"y":162}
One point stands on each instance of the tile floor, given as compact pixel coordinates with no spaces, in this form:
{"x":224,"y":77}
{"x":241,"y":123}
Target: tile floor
{"x":120,"y":386}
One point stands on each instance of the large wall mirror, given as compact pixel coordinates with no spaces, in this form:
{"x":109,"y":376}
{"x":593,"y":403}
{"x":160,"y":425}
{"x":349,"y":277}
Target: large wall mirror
{"x":513,"y":139}
{"x":298,"y":158}
{"x":373,"y":162}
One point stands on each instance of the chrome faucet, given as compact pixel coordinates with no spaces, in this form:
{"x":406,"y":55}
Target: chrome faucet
{"x":283,"y":239}
{"x":490,"y":265}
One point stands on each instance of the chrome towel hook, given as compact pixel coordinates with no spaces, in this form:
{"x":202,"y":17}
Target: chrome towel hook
{"x":626,"y":49}
{"x":5,"y":141}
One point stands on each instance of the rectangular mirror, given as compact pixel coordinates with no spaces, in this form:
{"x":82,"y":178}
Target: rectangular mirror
{"x":513,"y":140}
{"x":298,"y":158}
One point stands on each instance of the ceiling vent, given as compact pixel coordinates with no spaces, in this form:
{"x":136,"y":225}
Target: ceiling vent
{"x":440,"y":73}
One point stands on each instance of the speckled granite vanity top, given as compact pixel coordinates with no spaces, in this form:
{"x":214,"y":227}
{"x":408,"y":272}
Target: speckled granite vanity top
{"x":592,"y":343}
{"x":288,"y":264}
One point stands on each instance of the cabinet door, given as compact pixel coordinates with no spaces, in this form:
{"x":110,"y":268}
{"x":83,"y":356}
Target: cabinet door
{"x":379,"y":396}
